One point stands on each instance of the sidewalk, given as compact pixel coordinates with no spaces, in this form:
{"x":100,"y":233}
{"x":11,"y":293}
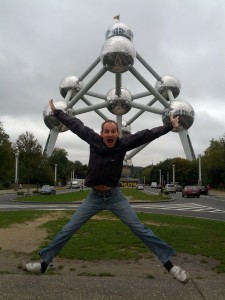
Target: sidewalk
{"x":68,"y":287}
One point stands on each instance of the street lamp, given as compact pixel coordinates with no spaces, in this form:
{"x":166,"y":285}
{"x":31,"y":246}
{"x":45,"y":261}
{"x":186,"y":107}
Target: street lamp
{"x":199,"y":170}
{"x":160,"y":178}
{"x":173,"y":174}
{"x":16,"y":169}
{"x":55,"y":174}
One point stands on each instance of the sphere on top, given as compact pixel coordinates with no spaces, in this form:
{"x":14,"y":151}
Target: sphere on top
{"x":50,"y":120}
{"x":119,"y":29}
{"x":70,"y":83}
{"x":183,"y":110}
{"x":168,"y":82}
{"x":119,"y":105}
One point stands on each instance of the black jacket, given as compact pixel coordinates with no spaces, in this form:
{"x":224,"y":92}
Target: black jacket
{"x":105,"y":164}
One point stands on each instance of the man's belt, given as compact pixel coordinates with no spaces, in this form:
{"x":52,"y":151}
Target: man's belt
{"x":102,"y":187}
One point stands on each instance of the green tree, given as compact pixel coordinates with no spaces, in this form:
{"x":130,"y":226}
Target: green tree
{"x":64,"y":166}
{"x":30,"y":158}
{"x":6,"y":159}
{"x":213,"y":163}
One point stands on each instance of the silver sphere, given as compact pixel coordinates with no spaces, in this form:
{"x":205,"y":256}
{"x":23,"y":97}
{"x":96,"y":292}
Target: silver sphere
{"x":168,"y":82}
{"x":184,"y":110}
{"x":118,"y":53}
{"x":70,"y":83}
{"x":120,"y":29}
{"x":119,"y":105}
{"x":50,"y":120}
{"x":126,"y":129}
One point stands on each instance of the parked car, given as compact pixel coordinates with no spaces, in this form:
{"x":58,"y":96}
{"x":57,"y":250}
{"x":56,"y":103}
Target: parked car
{"x":191,"y":191}
{"x":47,"y":190}
{"x":154,"y":185}
{"x":203,"y":190}
{"x":140,"y":187}
{"x":179,"y":188}
{"x":169,"y":188}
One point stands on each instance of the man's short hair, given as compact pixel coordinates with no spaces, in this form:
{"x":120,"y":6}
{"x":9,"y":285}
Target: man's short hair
{"x":109,"y":121}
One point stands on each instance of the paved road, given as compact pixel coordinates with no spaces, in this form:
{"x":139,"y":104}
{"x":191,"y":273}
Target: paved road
{"x":209,"y":207}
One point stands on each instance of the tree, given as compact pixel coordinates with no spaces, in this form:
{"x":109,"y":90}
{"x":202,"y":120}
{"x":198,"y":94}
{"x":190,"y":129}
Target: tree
{"x":64,"y":166}
{"x":30,"y":158}
{"x":213,"y":163}
{"x":6,"y":159}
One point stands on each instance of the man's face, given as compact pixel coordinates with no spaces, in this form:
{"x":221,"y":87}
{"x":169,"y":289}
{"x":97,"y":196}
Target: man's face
{"x":109,"y":134}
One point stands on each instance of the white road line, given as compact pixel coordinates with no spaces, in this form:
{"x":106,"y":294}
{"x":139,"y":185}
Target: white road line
{"x":180,"y":207}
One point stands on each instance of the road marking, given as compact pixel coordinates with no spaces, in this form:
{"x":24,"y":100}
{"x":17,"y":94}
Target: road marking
{"x":181,"y":207}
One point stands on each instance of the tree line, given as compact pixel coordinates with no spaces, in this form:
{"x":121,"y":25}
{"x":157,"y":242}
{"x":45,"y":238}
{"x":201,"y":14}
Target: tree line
{"x":211,"y":166}
{"x":36,"y":168}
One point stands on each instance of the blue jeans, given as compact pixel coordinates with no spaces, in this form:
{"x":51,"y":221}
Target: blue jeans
{"x":114,"y":201}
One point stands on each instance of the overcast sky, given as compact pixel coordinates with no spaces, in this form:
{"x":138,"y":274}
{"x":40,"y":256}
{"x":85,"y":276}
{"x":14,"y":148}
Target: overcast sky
{"x":43,"y":41}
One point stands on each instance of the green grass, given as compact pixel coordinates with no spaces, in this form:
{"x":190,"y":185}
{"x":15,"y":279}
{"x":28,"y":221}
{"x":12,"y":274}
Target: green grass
{"x":109,"y":238}
{"x":8,"y":218}
{"x":132,"y":193}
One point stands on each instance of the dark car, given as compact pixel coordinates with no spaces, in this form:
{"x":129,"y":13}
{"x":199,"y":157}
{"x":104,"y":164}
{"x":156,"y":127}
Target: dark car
{"x":47,"y":190}
{"x":203,"y":190}
{"x":179,"y":188}
{"x":191,"y":191}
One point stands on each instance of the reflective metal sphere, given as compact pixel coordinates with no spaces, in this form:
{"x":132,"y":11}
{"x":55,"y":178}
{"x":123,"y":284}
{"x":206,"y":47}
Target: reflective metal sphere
{"x":184,"y":110}
{"x":126,"y":129}
{"x":168,"y":82}
{"x":120,"y":29}
{"x":119,"y":105}
{"x":118,"y":53}
{"x":70,"y":83}
{"x":50,"y":121}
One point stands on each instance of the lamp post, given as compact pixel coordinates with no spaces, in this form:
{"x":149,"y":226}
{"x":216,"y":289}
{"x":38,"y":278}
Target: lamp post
{"x":160,"y":178}
{"x":16,"y":169}
{"x":199,"y":170}
{"x":173,"y":174}
{"x":55,"y":181}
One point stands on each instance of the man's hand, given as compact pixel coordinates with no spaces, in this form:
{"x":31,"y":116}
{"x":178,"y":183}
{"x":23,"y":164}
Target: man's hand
{"x":174,"y":121}
{"x":52,"y":106}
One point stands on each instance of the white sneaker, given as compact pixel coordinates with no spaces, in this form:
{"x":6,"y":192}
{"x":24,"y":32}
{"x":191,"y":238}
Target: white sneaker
{"x":33,"y":267}
{"x":180,"y":274}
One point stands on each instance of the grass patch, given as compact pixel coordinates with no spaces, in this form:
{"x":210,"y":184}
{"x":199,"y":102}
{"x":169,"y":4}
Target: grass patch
{"x":65,"y":197}
{"x":132,"y":193}
{"x":12,"y":217}
{"x":109,"y":238}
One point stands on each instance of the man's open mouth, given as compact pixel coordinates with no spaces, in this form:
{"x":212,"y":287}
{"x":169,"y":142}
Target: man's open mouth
{"x":110,"y":141}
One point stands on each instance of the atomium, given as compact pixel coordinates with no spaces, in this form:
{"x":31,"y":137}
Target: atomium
{"x":119,"y":105}
{"x":118,"y":55}
{"x":50,"y":121}
{"x":166,"y":83}
{"x":183,"y":110}
{"x":119,"y":29}
{"x":70,"y":83}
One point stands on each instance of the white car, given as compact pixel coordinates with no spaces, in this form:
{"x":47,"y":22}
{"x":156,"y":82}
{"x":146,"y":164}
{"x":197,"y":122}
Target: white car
{"x":140,"y":187}
{"x":169,"y":188}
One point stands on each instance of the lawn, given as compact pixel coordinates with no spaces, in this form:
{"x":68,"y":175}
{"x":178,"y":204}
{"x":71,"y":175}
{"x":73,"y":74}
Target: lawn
{"x":108,"y":238}
{"x":132,"y":194}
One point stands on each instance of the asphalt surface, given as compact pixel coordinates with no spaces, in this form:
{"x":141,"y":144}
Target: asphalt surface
{"x":95,"y":288}
{"x":84,"y":288}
